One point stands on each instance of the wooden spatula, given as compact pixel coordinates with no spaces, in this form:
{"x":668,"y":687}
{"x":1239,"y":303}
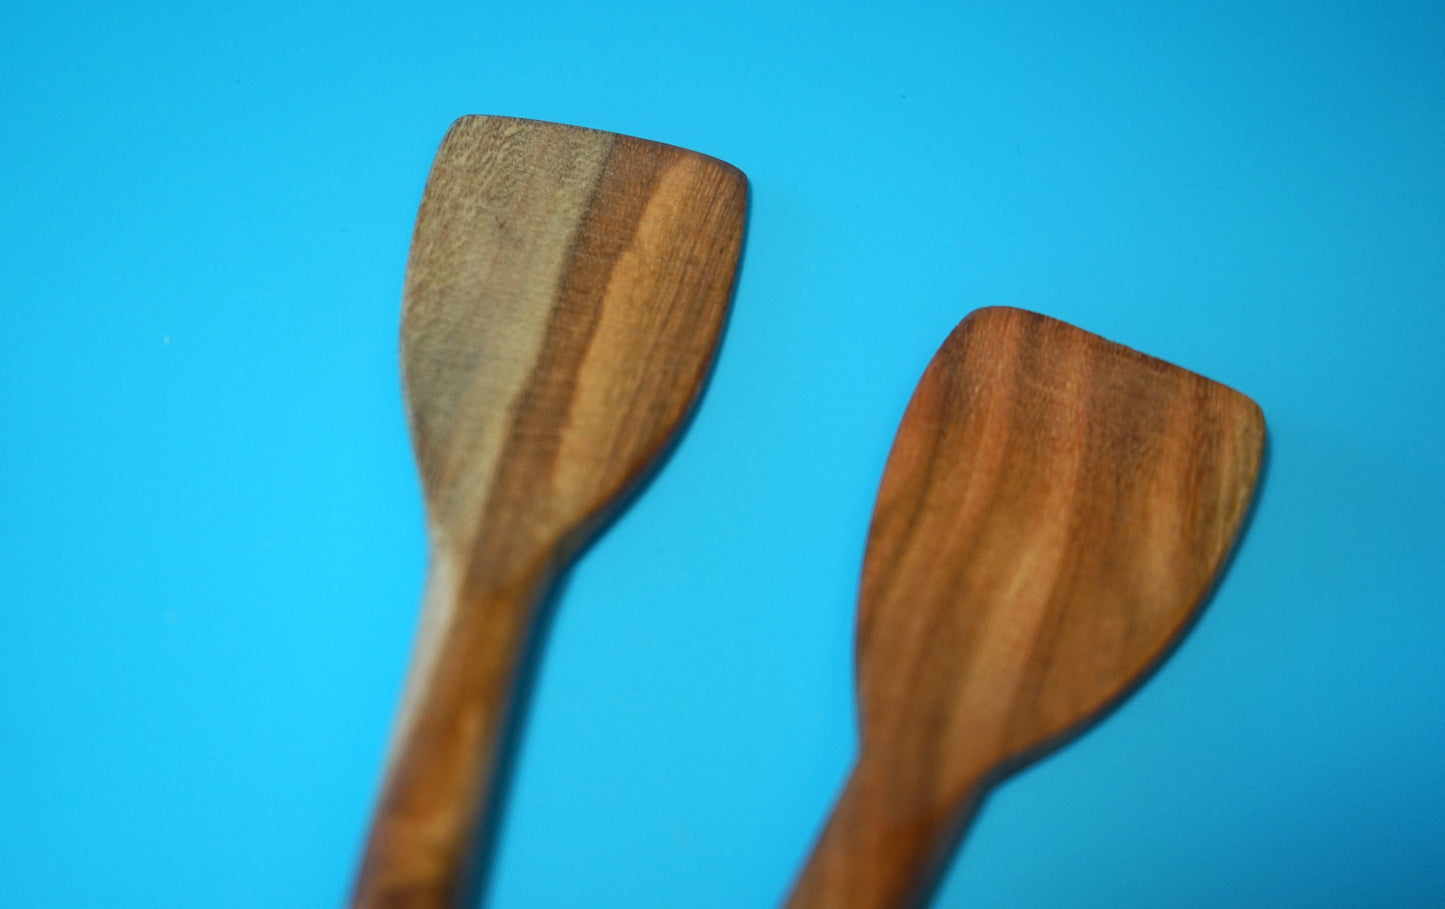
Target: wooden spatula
{"x":1054,"y":510}
{"x":563,"y":301}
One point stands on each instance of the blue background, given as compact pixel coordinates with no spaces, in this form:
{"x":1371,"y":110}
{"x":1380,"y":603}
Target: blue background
{"x":211,"y":543}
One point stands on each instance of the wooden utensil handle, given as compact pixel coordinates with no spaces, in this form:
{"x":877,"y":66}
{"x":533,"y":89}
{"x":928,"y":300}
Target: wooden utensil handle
{"x":441,"y":781}
{"x":880,"y":850}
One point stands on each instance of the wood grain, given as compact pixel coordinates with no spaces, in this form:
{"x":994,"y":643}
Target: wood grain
{"x":1054,"y":510}
{"x":564,"y":298}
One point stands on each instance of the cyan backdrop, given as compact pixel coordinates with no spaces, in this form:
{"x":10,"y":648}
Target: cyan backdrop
{"x":211,"y":546}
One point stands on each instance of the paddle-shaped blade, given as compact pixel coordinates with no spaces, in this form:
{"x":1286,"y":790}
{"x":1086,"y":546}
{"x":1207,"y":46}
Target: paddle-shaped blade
{"x":564,"y":298}
{"x":1054,"y":510}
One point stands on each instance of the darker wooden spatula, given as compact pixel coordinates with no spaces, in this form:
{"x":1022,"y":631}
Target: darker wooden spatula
{"x":1054,"y":510}
{"x":564,"y":298}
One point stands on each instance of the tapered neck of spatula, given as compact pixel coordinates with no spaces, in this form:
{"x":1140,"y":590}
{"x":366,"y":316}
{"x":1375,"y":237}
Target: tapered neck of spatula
{"x":886,"y":843}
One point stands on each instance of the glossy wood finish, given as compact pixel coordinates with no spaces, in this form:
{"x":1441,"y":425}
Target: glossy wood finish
{"x":563,"y":302}
{"x":1053,"y":512}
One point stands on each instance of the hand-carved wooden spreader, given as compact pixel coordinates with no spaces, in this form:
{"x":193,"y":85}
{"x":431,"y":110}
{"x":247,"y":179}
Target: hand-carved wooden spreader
{"x":1054,"y":510}
{"x":564,"y":298}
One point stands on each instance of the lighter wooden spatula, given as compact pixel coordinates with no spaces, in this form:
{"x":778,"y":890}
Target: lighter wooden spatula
{"x":563,"y":301}
{"x":1054,"y":510}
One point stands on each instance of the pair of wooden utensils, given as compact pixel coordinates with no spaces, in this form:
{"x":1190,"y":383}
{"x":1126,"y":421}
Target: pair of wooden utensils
{"x":1053,"y":512}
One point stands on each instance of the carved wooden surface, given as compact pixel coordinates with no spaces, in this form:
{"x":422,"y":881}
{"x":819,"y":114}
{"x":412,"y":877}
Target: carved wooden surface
{"x":1054,"y":510}
{"x":564,"y":298}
